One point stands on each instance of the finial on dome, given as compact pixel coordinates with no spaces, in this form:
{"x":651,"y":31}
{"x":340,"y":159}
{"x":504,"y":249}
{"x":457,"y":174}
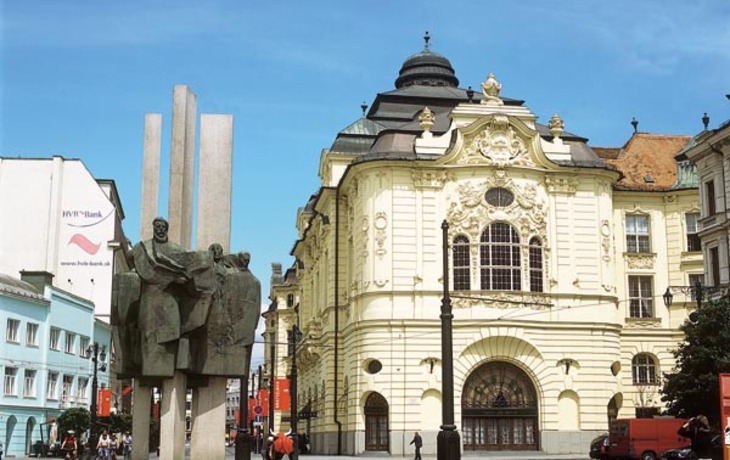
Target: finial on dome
{"x":426,"y":38}
{"x":364,"y":107}
{"x":491,"y":89}
{"x":635,"y":124}
{"x":705,"y":121}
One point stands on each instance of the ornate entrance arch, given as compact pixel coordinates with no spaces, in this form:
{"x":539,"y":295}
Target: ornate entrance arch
{"x":499,"y":409}
{"x":376,"y":423}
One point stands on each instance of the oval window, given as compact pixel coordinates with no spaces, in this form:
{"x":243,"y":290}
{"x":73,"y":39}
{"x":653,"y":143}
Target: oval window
{"x":499,"y":197}
{"x":374,"y":366}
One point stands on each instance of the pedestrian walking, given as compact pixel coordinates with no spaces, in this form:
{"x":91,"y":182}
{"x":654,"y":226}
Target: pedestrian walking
{"x":418,"y":443}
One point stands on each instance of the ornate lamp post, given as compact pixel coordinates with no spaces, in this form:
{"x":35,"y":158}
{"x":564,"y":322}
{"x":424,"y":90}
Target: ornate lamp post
{"x":448,"y":442}
{"x":294,"y":338}
{"x":98,"y":357}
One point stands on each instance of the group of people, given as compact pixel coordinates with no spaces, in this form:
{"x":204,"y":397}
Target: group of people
{"x":107,"y":445}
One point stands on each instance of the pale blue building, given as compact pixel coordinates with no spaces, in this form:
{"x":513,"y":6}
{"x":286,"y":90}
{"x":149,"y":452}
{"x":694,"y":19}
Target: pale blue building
{"x":44,"y":336}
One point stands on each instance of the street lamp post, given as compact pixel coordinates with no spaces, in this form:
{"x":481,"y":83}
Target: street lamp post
{"x":448,"y":442}
{"x":243,"y":446}
{"x":98,"y":357}
{"x":293,"y":340}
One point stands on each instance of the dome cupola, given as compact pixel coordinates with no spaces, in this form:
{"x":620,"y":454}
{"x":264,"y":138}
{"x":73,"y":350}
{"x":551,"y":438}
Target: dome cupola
{"x":426,"y":68}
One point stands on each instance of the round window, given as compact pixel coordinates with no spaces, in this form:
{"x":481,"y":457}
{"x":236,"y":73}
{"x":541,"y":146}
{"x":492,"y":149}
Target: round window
{"x":499,"y":197}
{"x":374,"y":366}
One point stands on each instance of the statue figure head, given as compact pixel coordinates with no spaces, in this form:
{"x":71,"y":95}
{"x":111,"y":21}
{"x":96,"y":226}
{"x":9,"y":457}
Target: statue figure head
{"x":217,"y":251}
{"x":244,"y":259}
{"x":159,"y":229}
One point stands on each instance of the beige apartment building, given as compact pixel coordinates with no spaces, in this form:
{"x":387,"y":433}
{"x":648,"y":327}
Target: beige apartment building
{"x":558,"y":255}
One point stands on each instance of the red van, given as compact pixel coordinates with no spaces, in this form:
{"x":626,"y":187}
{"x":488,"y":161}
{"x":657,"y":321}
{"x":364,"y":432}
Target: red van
{"x":644,"y":438}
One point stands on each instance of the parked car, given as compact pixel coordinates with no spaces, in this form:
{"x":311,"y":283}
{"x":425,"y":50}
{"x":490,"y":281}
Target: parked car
{"x":713,"y":451}
{"x":644,"y":438}
{"x":598,"y":447}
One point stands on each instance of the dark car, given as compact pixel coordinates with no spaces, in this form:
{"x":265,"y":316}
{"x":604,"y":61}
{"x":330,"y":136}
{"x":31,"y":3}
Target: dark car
{"x":713,"y":451}
{"x":598,"y":447}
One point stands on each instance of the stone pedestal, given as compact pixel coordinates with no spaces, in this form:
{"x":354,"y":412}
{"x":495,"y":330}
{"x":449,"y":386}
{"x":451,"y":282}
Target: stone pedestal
{"x":172,"y":418}
{"x":209,"y":421}
{"x":141,"y":403}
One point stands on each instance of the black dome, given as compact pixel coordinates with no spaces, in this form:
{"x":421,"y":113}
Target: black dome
{"x":426,"y":68}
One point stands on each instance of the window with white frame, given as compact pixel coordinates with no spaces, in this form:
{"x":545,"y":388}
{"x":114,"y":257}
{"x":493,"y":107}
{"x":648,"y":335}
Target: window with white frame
{"x":29,"y":384}
{"x":11,"y":374}
{"x":83,"y":346}
{"x":81,"y":390}
{"x":31,"y":334}
{"x":500,"y":260}
{"x":70,"y":342}
{"x":643,"y":370}
{"x":52,"y":384}
{"x":641,"y":299}
{"x":693,"y":232}
{"x":637,"y":233}
{"x":11,"y":334}
{"x":68,"y":381}
{"x":55,"y":342}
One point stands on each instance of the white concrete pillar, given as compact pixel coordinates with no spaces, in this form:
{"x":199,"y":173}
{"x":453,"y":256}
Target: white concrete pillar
{"x":182,"y":165}
{"x":150,"y":173}
{"x":141,"y":404}
{"x":209,"y":421}
{"x":172,"y":418}
{"x":214,"y":181}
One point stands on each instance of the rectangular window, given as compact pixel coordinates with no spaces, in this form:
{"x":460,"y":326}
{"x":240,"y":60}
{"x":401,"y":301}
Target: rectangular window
{"x":693,"y":237}
{"x":83,"y":346}
{"x":637,"y":234}
{"x":29,"y":385}
{"x":52,"y":384}
{"x":710,"y":197}
{"x":68,"y":381}
{"x":640,"y":297}
{"x":81,"y":390}
{"x":31,"y":335}
{"x":10,"y":374}
{"x":55,"y":342}
{"x":715,"y":266}
{"x":12,"y":330}
{"x":70,"y":342}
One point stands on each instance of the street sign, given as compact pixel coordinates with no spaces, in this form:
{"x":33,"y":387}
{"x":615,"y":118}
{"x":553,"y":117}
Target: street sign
{"x":258,"y":419}
{"x":258,"y":409}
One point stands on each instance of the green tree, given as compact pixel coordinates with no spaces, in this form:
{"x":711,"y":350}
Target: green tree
{"x":76,"y":418}
{"x":692,"y":387}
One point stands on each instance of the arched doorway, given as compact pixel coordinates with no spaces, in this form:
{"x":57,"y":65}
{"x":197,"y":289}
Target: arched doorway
{"x":499,"y":409}
{"x":9,"y":428}
{"x":29,"y":426}
{"x":376,"y":423}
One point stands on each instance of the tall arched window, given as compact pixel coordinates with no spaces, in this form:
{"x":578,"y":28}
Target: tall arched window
{"x":643,"y":369}
{"x":536,"y":283}
{"x":462,"y":274}
{"x":500,"y":258}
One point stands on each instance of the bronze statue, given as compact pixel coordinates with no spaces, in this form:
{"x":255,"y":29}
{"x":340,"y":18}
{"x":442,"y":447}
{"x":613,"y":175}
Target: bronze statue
{"x":194,"y":311}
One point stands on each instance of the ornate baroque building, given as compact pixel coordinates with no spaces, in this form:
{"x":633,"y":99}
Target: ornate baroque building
{"x":558,"y":256}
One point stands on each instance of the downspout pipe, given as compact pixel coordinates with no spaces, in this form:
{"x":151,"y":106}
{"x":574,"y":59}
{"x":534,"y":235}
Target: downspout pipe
{"x":337,"y":316}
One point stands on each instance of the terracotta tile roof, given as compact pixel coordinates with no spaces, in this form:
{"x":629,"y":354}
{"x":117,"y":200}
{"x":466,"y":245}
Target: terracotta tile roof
{"x":646,"y":161}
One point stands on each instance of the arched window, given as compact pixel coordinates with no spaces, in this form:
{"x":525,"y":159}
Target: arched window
{"x":536,"y":283}
{"x":500,"y":258}
{"x":643,"y":369}
{"x":462,"y":275}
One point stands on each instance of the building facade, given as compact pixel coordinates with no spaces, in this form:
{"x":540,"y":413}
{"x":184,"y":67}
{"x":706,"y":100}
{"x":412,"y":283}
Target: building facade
{"x":710,"y":151}
{"x":44,"y":359}
{"x":64,"y":222}
{"x":557,"y":256}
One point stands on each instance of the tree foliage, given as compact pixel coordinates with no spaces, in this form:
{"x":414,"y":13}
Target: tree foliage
{"x":76,"y":418}
{"x":692,"y":388}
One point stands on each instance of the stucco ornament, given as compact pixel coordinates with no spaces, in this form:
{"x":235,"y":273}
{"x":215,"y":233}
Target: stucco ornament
{"x":427,"y":119}
{"x":640,"y":261}
{"x":556,"y":125}
{"x":490,"y":89}
{"x":504,"y":300}
{"x":497,"y":144}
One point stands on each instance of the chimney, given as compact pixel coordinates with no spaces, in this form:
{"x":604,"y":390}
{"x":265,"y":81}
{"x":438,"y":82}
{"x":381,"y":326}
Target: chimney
{"x":38,"y":279}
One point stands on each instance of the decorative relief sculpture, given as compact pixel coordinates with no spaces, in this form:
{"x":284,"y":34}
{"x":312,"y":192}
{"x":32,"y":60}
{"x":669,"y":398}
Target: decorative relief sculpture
{"x":561,"y":184}
{"x":429,"y":179}
{"x":380,"y":224}
{"x":606,"y":240}
{"x":497,"y":144}
{"x":639,"y":261}
{"x":504,"y":300}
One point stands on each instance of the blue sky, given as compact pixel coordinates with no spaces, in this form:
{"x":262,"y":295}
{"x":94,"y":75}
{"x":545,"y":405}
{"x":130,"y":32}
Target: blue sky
{"x":78,"y":76}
